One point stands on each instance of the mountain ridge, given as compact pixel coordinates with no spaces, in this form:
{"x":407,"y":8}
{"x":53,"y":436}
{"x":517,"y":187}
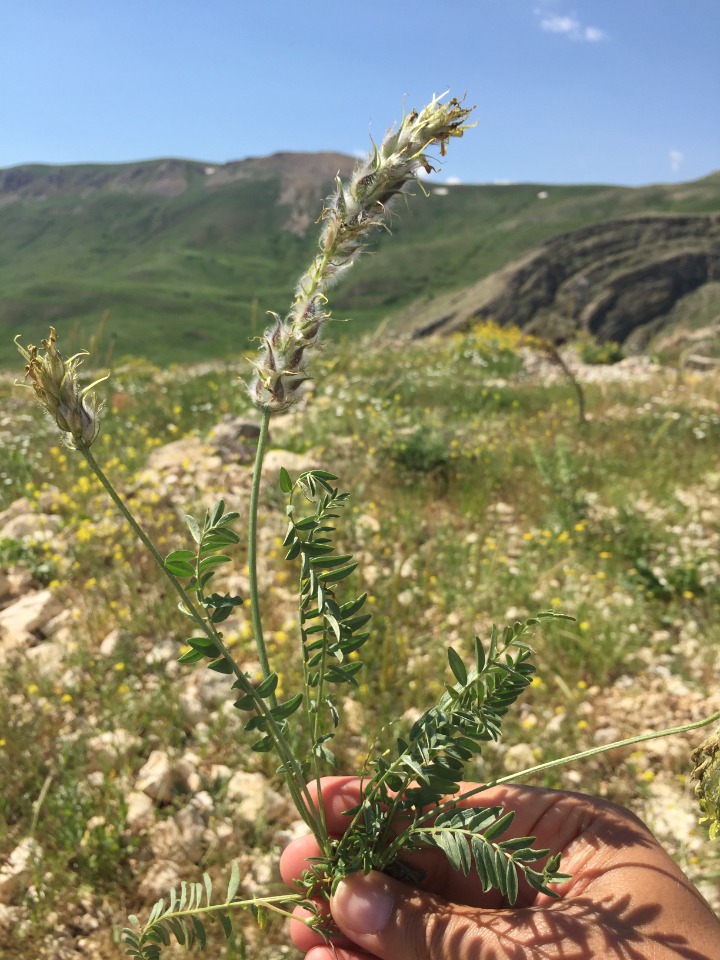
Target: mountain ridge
{"x":183,"y":258}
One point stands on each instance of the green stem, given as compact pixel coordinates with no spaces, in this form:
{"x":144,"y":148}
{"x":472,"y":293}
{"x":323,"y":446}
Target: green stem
{"x":252,"y":546}
{"x":291,"y":768}
{"x":141,"y":535}
{"x":641,"y":738}
{"x":269,"y":903}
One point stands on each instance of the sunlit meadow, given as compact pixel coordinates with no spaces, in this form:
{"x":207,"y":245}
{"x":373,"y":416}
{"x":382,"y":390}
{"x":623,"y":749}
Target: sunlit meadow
{"x":477,"y":497}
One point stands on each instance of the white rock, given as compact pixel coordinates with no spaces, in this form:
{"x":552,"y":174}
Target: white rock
{"x":187,"y":773}
{"x":294,"y":463}
{"x":48,"y":656}
{"x":108,"y":749}
{"x":218,"y":773}
{"x":16,"y":872}
{"x":110,"y":643}
{"x":140,"y":812}
{"x":9,"y":920}
{"x":191,"y":707}
{"x":31,"y":526}
{"x":5,"y":588}
{"x":184,"y":454}
{"x":180,"y":838}
{"x":297,"y":829}
{"x":253,"y":798}
{"x":16,"y":508}
{"x":59,"y":623}
{"x":156,"y":777}
{"x":166,"y":841}
{"x":161,"y":653}
{"x":161,"y":876}
{"x":20,"y":621}
{"x":519,"y":757}
{"x":191,"y":824}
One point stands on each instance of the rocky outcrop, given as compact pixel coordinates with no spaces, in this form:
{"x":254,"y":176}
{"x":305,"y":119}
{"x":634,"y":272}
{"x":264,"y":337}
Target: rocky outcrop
{"x":614,"y":280}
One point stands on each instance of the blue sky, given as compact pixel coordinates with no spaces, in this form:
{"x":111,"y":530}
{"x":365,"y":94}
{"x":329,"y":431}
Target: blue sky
{"x":570,"y":91}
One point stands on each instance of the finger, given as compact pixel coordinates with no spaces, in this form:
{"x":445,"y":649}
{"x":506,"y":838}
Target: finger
{"x":305,"y":937}
{"x":392,"y":921}
{"x":341,"y":953}
{"x":296,"y":858}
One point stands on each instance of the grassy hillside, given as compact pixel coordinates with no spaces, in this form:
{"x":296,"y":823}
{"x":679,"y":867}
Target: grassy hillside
{"x":187,"y":264}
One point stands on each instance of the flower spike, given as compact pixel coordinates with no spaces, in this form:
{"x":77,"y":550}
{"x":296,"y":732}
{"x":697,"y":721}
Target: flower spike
{"x":355,"y":209}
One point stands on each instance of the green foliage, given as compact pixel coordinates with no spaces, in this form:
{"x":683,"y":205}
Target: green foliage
{"x":607,"y":352}
{"x":428,"y":766}
{"x":422,"y":451}
{"x":331,"y":631}
{"x":187,"y":913}
{"x":29,"y":555}
{"x":199,"y":567}
{"x":558,"y":469}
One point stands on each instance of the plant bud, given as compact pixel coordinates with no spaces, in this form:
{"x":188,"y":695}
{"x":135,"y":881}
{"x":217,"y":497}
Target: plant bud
{"x":707,"y":772}
{"x":55,"y":383}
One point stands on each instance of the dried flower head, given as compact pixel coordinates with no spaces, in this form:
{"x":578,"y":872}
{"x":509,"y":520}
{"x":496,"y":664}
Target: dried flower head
{"x":56,"y":386}
{"x":707,"y":772}
{"x":354,"y":211}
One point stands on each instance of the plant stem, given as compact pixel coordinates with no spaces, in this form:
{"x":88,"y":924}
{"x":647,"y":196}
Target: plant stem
{"x":252,"y":546}
{"x":291,"y":767}
{"x":140,"y":533}
{"x":562,"y":761}
{"x":641,"y":738}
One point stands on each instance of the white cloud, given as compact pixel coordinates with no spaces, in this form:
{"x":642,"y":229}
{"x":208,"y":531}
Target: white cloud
{"x":453,"y":181}
{"x":569,"y":27}
{"x":560,"y":25}
{"x":677,"y":159}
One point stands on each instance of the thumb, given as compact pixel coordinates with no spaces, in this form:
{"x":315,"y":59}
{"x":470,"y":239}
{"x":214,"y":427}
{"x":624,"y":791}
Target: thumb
{"x":393,"y":921}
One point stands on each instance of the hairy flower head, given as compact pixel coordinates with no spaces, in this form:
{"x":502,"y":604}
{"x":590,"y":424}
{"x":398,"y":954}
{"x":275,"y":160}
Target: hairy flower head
{"x":350,"y":215}
{"x":55,"y":383}
{"x":707,"y":772}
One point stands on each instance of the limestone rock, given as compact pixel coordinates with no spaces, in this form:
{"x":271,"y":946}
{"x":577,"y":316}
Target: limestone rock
{"x":31,"y":526}
{"x":234,"y":439}
{"x":16,"y":872}
{"x":156,"y":777}
{"x":112,"y":747}
{"x":140,"y":812}
{"x":9,"y":919}
{"x":253,"y":799}
{"x":519,"y":757}
{"x":161,"y":876}
{"x":22,"y":622}
{"x":187,"y":774}
{"x":294,"y":463}
{"x":15,"y":582}
{"x":166,"y":841}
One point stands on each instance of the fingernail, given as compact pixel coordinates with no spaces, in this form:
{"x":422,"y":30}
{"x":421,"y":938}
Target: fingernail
{"x":363,"y":904}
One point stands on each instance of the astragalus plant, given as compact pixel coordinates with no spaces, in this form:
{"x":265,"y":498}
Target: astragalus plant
{"x":410,"y":794}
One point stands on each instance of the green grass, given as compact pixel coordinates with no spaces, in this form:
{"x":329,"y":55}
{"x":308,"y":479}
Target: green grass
{"x":477,"y":497}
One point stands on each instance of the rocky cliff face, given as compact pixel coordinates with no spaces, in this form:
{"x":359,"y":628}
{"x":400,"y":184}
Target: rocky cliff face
{"x":616,"y":280}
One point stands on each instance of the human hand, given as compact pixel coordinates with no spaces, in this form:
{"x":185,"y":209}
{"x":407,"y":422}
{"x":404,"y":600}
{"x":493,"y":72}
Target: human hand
{"x":627,"y":900}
